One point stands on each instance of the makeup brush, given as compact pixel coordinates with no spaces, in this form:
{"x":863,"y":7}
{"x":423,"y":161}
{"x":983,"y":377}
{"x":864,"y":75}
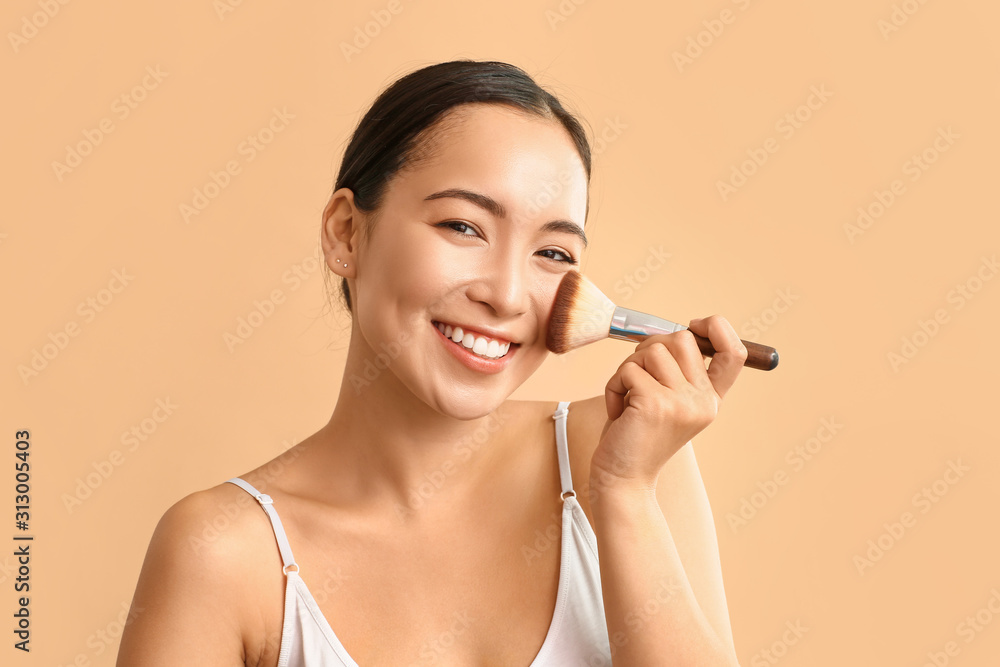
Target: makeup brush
{"x":582,"y":314}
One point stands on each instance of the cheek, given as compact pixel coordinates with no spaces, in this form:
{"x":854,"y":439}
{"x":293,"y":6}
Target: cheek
{"x":425,"y":280}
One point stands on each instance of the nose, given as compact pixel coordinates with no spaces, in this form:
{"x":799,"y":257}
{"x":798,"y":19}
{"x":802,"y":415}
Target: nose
{"x":502,"y":284}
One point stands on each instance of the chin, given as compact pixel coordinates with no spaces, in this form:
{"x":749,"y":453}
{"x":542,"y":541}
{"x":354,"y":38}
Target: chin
{"x":471,"y":406}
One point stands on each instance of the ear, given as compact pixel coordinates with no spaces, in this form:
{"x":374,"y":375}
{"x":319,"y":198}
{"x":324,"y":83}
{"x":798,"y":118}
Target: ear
{"x":340,"y":232}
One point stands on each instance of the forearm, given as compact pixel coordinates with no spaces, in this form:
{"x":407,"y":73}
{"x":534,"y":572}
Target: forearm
{"x":652,"y":614}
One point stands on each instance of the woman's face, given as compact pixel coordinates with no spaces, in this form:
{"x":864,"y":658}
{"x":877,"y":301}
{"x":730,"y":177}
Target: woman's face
{"x":467,"y":238}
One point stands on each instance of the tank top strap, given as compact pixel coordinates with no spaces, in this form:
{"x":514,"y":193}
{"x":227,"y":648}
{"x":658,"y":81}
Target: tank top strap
{"x":565,"y":475}
{"x":287,"y":560}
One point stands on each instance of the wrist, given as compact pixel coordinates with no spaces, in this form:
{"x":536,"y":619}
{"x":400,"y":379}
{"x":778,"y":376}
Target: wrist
{"x":609,"y":494}
{"x":617,"y":483}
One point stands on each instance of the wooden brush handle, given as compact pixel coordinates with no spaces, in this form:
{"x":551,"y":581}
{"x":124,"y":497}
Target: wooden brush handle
{"x":761,"y":357}
{"x":628,"y":324}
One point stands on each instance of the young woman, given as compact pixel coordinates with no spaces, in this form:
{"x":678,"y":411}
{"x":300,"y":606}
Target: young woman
{"x":433,"y":521}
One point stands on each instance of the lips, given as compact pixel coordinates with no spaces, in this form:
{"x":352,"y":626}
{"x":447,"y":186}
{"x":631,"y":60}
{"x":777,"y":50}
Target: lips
{"x":477,"y":362}
{"x":481,"y":346}
{"x":475,"y":332}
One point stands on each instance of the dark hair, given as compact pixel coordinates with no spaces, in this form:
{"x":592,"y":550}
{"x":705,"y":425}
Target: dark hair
{"x":396,"y":130}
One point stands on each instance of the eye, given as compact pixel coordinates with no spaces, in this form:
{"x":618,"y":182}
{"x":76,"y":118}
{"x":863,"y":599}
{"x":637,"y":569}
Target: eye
{"x":567,"y":258}
{"x":452,"y":224}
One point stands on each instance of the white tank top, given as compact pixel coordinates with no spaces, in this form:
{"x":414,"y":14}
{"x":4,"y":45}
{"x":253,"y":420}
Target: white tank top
{"x":577,"y":634}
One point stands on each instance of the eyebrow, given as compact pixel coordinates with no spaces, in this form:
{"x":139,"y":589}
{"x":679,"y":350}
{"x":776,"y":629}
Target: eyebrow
{"x":497,"y":210}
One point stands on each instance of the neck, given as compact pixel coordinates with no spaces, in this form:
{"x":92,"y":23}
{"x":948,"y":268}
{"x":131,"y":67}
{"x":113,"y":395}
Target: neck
{"x":386,"y":448}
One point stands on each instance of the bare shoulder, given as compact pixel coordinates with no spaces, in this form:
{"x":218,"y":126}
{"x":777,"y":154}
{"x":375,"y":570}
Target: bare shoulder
{"x":584,"y":414}
{"x":200,"y":574}
{"x":587,"y":418}
{"x":216,"y":528}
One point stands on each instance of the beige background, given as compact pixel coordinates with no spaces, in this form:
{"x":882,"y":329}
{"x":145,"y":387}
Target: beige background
{"x":779,"y":242}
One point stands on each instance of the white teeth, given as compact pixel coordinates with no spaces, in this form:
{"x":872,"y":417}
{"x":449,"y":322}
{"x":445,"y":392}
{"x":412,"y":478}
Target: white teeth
{"x":480,"y":345}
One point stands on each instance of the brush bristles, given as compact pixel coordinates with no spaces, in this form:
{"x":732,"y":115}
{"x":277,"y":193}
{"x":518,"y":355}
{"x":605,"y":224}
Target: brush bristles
{"x":581,"y":314}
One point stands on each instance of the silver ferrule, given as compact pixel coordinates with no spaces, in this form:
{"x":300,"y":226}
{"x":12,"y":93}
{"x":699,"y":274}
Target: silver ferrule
{"x":629,"y":324}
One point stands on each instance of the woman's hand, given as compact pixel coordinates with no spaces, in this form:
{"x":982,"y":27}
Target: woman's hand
{"x":660,"y":397}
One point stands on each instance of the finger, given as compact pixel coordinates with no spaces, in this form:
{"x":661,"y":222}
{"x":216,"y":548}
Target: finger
{"x":686,"y":355}
{"x":727,"y":362}
{"x":617,"y":387}
{"x":652,"y":340}
{"x":657,"y":358}
{"x":629,"y":376}
{"x":661,"y":363}
{"x":689,"y":359}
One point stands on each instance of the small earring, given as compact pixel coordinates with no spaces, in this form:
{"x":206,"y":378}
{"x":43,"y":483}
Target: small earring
{"x":338,"y":261}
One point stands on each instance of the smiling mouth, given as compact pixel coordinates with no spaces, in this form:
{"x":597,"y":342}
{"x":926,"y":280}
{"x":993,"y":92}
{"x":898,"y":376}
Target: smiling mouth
{"x":481,"y":346}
